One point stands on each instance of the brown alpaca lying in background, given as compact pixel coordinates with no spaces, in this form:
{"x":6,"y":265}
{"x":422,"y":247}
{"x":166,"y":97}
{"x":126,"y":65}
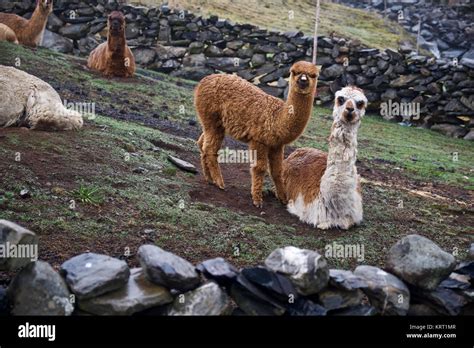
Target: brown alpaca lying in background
{"x":29,"y":32}
{"x":114,"y":57}
{"x":228,"y":104}
{"x":6,"y":34}
{"x":324,"y":189}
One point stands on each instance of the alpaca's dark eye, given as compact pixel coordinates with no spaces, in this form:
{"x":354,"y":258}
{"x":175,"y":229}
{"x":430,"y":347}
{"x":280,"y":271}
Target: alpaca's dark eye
{"x":313,"y":76}
{"x":296,"y":73}
{"x":360,"y":104}
{"x":340,"y":100}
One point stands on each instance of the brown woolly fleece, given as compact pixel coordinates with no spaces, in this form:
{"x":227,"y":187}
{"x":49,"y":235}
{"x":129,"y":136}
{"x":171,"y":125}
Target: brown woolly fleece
{"x":228,"y":104}
{"x":114,"y":57}
{"x":6,"y":34}
{"x":302,"y":173}
{"x":29,"y":32}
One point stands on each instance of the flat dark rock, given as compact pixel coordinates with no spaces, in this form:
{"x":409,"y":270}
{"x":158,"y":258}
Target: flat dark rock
{"x":359,"y":310}
{"x":219,"y":270}
{"x":252,"y":300}
{"x":305,"y":307}
{"x":275,"y":284}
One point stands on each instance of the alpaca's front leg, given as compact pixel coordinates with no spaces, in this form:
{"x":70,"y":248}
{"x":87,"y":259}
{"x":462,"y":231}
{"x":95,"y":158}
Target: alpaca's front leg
{"x":259,"y":168}
{"x":275,"y":157}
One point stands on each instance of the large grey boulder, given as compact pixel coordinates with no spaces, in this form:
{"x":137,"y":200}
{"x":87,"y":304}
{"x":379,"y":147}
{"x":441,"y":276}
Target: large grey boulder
{"x":385,"y":291}
{"x":139,"y":294}
{"x":208,"y":299}
{"x":451,"y":130}
{"x":75,"y":31}
{"x":39,"y":290}
{"x":144,"y":56}
{"x":89,"y":275}
{"x":420,"y":262}
{"x":306,"y":269}
{"x":167,"y":269}
{"x":57,"y":42}
{"x":16,"y":241}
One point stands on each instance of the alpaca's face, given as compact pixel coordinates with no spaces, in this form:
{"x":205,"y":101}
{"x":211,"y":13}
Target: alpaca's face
{"x":46,"y":6}
{"x":349,"y":105}
{"x":304,"y":77}
{"x":116,"y":23}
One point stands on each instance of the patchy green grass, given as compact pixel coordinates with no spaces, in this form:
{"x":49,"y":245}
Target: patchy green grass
{"x":288,"y":15}
{"x":145,"y":199}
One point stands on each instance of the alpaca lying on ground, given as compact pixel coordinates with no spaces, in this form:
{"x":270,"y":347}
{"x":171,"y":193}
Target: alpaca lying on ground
{"x":324,"y":189}
{"x":6,"y":34}
{"x":27,"y":101}
{"x":114,"y":57}
{"x":228,"y":104}
{"x":29,"y":32}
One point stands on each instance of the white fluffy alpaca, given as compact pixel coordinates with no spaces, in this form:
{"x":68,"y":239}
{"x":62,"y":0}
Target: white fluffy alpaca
{"x":27,"y":101}
{"x":324,"y":189}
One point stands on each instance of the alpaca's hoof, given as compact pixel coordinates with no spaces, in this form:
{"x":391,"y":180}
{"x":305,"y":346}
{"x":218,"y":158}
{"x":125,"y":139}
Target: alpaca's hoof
{"x":258,"y":204}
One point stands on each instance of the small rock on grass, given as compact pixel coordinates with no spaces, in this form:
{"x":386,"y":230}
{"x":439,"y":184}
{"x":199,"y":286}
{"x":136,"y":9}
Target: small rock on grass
{"x":139,"y":294}
{"x":39,"y":290}
{"x":89,"y":275}
{"x":183,"y":165}
{"x":209,"y":299}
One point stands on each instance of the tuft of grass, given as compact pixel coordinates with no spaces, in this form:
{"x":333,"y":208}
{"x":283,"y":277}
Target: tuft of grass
{"x":88,"y":195}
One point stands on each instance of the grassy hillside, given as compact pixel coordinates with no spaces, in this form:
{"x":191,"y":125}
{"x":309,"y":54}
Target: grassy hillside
{"x":289,"y":15}
{"x":127,"y":193}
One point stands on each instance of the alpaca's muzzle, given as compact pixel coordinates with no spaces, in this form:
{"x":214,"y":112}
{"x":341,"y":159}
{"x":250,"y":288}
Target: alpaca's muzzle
{"x":303,"y":81}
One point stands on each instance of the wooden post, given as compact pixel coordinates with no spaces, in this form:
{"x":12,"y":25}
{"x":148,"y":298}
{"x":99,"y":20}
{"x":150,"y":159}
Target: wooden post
{"x":316,"y":25}
{"x":418,"y":37}
{"x":385,"y":8}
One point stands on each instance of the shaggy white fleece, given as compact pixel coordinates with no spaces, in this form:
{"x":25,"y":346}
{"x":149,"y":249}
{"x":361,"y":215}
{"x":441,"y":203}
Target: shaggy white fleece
{"x":339,"y":203}
{"x":27,"y":101}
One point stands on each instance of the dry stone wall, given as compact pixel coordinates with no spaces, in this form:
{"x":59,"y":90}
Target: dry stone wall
{"x":419,"y":278}
{"x":399,"y":84}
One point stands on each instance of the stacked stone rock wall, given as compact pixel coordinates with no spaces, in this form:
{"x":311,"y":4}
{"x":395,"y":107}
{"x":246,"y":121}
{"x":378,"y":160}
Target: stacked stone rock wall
{"x":419,"y":279}
{"x":189,"y":46}
{"x":446,"y":31}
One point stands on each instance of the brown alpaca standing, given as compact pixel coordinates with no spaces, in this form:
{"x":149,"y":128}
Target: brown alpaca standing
{"x":228,"y":104}
{"x":6,"y":34}
{"x":114,"y":57}
{"x":29,"y":32}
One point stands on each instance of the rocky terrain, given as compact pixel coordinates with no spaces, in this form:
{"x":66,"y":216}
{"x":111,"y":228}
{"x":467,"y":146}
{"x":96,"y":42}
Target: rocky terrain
{"x":423,"y":280}
{"x":184,"y":45}
{"x":446,"y":31}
